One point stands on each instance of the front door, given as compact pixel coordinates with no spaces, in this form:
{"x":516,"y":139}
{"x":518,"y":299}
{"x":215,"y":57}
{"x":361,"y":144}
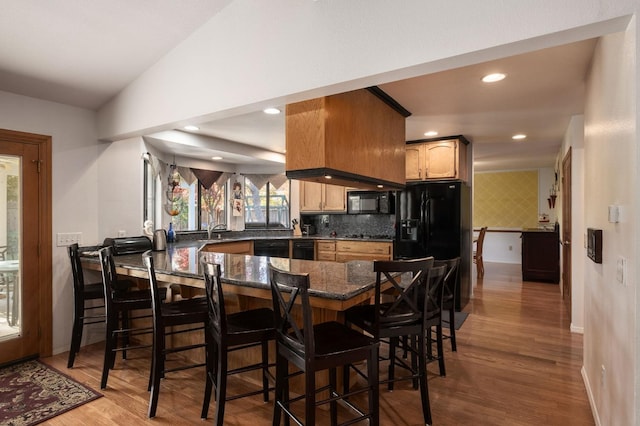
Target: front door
{"x":566,"y":231}
{"x":22,"y":276}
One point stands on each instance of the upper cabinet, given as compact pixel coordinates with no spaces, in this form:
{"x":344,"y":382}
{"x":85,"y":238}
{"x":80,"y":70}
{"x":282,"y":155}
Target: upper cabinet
{"x":320,"y":197}
{"x":437,"y":159}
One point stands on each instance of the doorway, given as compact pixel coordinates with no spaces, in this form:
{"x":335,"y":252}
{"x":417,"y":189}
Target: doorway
{"x":566,"y":231}
{"x":25,"y":246}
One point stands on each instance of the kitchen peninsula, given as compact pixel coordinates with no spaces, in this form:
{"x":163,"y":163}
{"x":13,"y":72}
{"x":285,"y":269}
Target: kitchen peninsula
{"x":334,"y":286}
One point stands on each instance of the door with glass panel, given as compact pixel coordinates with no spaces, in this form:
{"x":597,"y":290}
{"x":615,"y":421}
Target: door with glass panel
{"x":19,"y":249}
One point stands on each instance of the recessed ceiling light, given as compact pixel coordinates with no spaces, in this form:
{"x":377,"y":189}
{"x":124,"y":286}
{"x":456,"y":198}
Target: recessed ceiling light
{"x":519,"y":136}
{"x":431,"y":133}
{"x":217,"y":157}
{"x":271,"y":111}
{"x":327,"y":177}
{"x":492,"y":78}
{"x":191,"y":128}
{"x":380,"y":186}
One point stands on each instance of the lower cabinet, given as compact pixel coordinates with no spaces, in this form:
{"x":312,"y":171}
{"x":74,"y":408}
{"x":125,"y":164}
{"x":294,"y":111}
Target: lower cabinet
{"x":235,"y":247}
{"x":541,"y":256}
{"x":344,"y":251}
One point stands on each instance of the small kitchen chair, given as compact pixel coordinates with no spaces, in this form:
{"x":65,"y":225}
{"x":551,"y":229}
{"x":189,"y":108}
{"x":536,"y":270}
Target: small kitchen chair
{"x":477,"y":254}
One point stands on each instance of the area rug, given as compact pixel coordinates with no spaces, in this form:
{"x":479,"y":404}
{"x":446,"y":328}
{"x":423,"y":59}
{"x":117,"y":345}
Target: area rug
{"x":459,"y":318}
{"x":32,"y":392}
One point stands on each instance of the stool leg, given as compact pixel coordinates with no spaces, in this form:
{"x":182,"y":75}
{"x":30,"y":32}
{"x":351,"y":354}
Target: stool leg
{"x":76,"y":335}
{"x":265,"y":369}
{"x":109,"y":356}
{"x":221,"y":386}
{"x":372,"y":383}
{"x":440,"y":346}
{"x":310,"y":398}
{"x":424,"y":389}
{"x":452,"y":329}
{"x":281,"y":372}
{"x":333,"y":405}
{"x":208,"y":385}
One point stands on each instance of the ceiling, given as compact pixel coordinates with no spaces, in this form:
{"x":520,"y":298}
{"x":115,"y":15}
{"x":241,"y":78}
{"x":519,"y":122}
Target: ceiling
{"x":42,"y":56}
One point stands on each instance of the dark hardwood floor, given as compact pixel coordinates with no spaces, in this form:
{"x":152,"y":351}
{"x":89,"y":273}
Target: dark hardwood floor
{"x":516,"y":364}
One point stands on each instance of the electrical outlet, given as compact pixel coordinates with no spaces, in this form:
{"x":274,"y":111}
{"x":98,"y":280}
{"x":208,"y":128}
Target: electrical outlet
{"x":64,"y":239}
{"x":603,"y":374}
{"x":621,"y":270}
{"x":510,"y":248}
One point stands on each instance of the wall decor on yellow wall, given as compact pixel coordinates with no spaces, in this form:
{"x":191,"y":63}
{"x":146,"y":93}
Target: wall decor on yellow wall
{"x":506,"y":199}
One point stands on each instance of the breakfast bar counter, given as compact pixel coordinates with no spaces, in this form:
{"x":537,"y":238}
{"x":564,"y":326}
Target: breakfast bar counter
{"x":334,"y":286}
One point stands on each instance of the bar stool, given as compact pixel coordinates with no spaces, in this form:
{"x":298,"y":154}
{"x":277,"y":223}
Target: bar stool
{"x":229,"y":333}
{"x":313,"y":348}
{"x":119,"y":304}
{"x":449,"y":298}
{"x":404,"y":316}
{"x":186,"y":312}
{"x":83,"y":293}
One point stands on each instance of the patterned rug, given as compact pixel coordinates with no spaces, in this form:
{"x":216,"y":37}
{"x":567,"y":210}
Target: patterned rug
{"x":31,"y":392}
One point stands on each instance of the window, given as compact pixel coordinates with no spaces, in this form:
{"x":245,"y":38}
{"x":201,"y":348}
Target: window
{"x":266,"y":207}
{"x":213,"y":207}
{"x":151,"y":185}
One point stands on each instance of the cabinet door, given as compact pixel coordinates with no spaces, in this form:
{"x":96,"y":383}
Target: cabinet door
{"x":335,"y":199}
{"x":442,"y":159}
{"x":310,"y":196}
{"x":413,"y":162}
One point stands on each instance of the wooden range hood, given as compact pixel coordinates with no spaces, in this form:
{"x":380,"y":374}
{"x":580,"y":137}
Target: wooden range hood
{"x":357,"y":138}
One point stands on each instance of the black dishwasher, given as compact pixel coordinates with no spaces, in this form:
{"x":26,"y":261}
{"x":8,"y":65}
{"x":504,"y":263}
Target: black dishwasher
{"x":303,"y":249}
{"x":272,"y":248}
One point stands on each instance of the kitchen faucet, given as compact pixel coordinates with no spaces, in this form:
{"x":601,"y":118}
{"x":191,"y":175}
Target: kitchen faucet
{"x":213,"y":228}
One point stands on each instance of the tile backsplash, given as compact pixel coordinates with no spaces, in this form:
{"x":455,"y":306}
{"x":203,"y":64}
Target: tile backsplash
{"x":343,"y":224}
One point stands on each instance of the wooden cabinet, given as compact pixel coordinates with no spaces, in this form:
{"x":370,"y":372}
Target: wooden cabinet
{"x":441,"y":159}
{"x":363,"y":250}
{"x":541,"y":256}
{"x":320,"y":197}
{"x":326,"y":250}
{"x":233,"y":247}
{"x":346,"y":250}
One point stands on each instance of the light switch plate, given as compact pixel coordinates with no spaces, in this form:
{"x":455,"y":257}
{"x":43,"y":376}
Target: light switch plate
{"x":64,"y":239}
{"x":621,"y":270}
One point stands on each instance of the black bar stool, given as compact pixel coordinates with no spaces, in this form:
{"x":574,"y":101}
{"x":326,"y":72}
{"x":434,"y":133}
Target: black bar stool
{"x":120,"y":305}
{"x":83,"y":313}
{"x":313,"y":348}
{"x":187,"y":312}
{"x":229,"y":333}
{"x":449,"y":298}
{"x":402,"y":317}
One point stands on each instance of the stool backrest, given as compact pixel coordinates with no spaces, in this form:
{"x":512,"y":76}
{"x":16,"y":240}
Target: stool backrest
{"x":156,"y":299}
{"x":215,"y":298}
{"x":109,"y":277}
{"x":450,"y":280}
{"x":406,"y":308}
{"x":434,"y":284}
{"x":286,"y":288}
{"x":76,"y":270}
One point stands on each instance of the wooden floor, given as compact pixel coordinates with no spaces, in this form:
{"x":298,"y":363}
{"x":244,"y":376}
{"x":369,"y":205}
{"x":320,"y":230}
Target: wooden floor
{"x":516,"y":364}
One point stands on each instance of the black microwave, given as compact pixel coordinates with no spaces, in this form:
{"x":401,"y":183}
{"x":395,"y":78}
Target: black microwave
{"x":370,"y":202}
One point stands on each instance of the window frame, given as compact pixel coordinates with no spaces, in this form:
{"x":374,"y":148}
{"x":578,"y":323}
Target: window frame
{"x":267,"y":224}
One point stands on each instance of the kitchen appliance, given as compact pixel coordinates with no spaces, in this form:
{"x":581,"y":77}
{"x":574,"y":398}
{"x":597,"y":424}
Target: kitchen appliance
{"x":434,"y":219}
{"x":128,"y":245}
{"x":159,"y":240}
{"x":370,"y":202}
{"x":303,"y":249}
{"x":272,"y":248}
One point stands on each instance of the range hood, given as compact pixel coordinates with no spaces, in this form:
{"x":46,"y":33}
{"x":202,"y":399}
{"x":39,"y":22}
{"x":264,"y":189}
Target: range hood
{"x":354,"y":139}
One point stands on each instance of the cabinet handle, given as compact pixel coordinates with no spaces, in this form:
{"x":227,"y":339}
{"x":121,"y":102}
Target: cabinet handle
{"x":419,"y":173}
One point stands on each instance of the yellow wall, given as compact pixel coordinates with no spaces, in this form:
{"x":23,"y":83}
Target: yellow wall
{"x":505,"y":199}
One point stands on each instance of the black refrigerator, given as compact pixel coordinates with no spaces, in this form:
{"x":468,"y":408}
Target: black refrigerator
{"x":434,"y":219}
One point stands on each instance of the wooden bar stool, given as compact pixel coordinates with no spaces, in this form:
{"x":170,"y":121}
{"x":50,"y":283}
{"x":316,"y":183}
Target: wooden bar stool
{"x":312,"y":348}
{"x":119,"y":305}
{"x":187,"y":312}
{"x":229,"y":333}
{"x":400,"y":318}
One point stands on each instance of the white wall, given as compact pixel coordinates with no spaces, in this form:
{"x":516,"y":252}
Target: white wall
{"x":75,"y":196}
{"x":610,"y":165}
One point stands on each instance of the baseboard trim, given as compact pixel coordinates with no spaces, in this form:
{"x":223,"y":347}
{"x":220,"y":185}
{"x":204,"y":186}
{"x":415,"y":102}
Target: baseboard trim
{"x":577,"y":330}
{"x":592,"y":403}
